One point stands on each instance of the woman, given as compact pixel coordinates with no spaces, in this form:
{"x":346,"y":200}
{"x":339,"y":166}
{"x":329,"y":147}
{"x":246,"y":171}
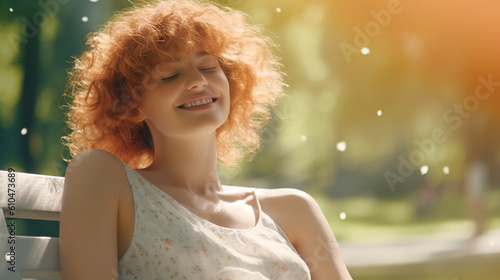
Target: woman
{"x":164,"y":93}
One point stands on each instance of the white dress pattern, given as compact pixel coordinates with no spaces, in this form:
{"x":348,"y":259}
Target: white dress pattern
{"x":170,"y":242}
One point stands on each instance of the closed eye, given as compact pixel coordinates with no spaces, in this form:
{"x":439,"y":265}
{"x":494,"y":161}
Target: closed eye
{"x":170,"y":78}
{"x":209,"y":69}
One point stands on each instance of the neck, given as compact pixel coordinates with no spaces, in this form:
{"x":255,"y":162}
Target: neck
{"x":187,"y":162}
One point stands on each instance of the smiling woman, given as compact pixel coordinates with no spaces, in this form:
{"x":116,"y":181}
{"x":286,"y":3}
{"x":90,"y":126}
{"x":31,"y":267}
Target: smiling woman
{"x":164,"y":93}
{"x":133,"y":46}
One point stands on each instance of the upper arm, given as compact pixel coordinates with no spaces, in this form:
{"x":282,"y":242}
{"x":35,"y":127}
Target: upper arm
{"x":300,"y":216}
{"x":88,"y":229}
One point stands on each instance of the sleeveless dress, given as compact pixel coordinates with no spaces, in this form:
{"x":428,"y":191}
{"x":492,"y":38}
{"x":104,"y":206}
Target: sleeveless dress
{"x":171,"y":242}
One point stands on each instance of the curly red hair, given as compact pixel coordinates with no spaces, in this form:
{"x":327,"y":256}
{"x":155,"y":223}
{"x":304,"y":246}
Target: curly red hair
{"x":107,"y":80}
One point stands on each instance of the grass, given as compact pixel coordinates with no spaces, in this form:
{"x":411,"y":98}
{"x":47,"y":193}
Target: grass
{"x":371,"y":220}
{"x":368,"y":219}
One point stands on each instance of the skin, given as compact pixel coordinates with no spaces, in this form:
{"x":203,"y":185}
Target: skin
{"x":97,"y":215}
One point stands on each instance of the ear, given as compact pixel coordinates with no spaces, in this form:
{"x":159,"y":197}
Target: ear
{"x":138,"y":96}
{"x":140,"y":114}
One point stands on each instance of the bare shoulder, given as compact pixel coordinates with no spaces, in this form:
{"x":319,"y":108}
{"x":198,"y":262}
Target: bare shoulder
{"x":95,"y":184}
{"x":302,"y":220}
{"x":94,"y":174}
{"x":290,"y":208}
{"x":94,"y":160}
{"x":94,"y":165}
{"x":285,"y":200}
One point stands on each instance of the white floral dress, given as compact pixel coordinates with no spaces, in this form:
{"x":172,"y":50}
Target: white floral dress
{"x":170,"y":242}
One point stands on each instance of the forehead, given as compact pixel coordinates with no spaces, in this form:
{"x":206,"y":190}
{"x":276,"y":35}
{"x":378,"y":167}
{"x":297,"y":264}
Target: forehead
{"x":197,"y":54}
{"x":176,"y":57}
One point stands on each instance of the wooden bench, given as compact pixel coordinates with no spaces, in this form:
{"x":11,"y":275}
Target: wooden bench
{"x":34,"y":197}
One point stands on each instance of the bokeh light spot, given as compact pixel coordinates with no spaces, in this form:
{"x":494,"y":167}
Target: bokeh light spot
{"x":342,"y":215}
{"x":446,"y":170}
{"x":341,"y":146}
{"x":424,"y":169}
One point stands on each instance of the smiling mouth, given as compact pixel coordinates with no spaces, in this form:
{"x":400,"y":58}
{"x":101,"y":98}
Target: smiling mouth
{"x":199,"y":102}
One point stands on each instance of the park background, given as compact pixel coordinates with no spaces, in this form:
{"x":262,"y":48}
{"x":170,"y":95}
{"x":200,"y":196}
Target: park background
{"x":390,"y":121}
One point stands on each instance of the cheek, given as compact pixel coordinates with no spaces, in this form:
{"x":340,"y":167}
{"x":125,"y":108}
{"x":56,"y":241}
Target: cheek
{"x":224,"y":85}
{"x":154,"y":105}
{"x":226,"y":91}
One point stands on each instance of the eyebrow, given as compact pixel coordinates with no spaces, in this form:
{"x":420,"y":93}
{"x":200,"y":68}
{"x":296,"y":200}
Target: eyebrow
{"x":200,"y":54}
{"x":196,"y":55}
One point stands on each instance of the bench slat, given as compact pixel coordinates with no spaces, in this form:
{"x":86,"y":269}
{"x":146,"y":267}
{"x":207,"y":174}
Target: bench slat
{"x":36,"y":196}
{"x":38,"y":253}
{"x":39,"y":274}
{"x":35,"y":258}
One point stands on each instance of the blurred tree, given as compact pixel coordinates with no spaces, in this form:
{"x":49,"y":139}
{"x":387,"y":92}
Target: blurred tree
{"x":56,"y":29}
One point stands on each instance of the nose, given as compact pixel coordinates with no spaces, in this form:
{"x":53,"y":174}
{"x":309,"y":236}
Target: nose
{"x":195,"y":79}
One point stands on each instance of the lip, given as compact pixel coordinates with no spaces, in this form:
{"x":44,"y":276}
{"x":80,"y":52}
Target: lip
{"x":199,"y":96}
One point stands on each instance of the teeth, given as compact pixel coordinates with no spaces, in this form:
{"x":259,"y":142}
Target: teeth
{"x":198,"y":103}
